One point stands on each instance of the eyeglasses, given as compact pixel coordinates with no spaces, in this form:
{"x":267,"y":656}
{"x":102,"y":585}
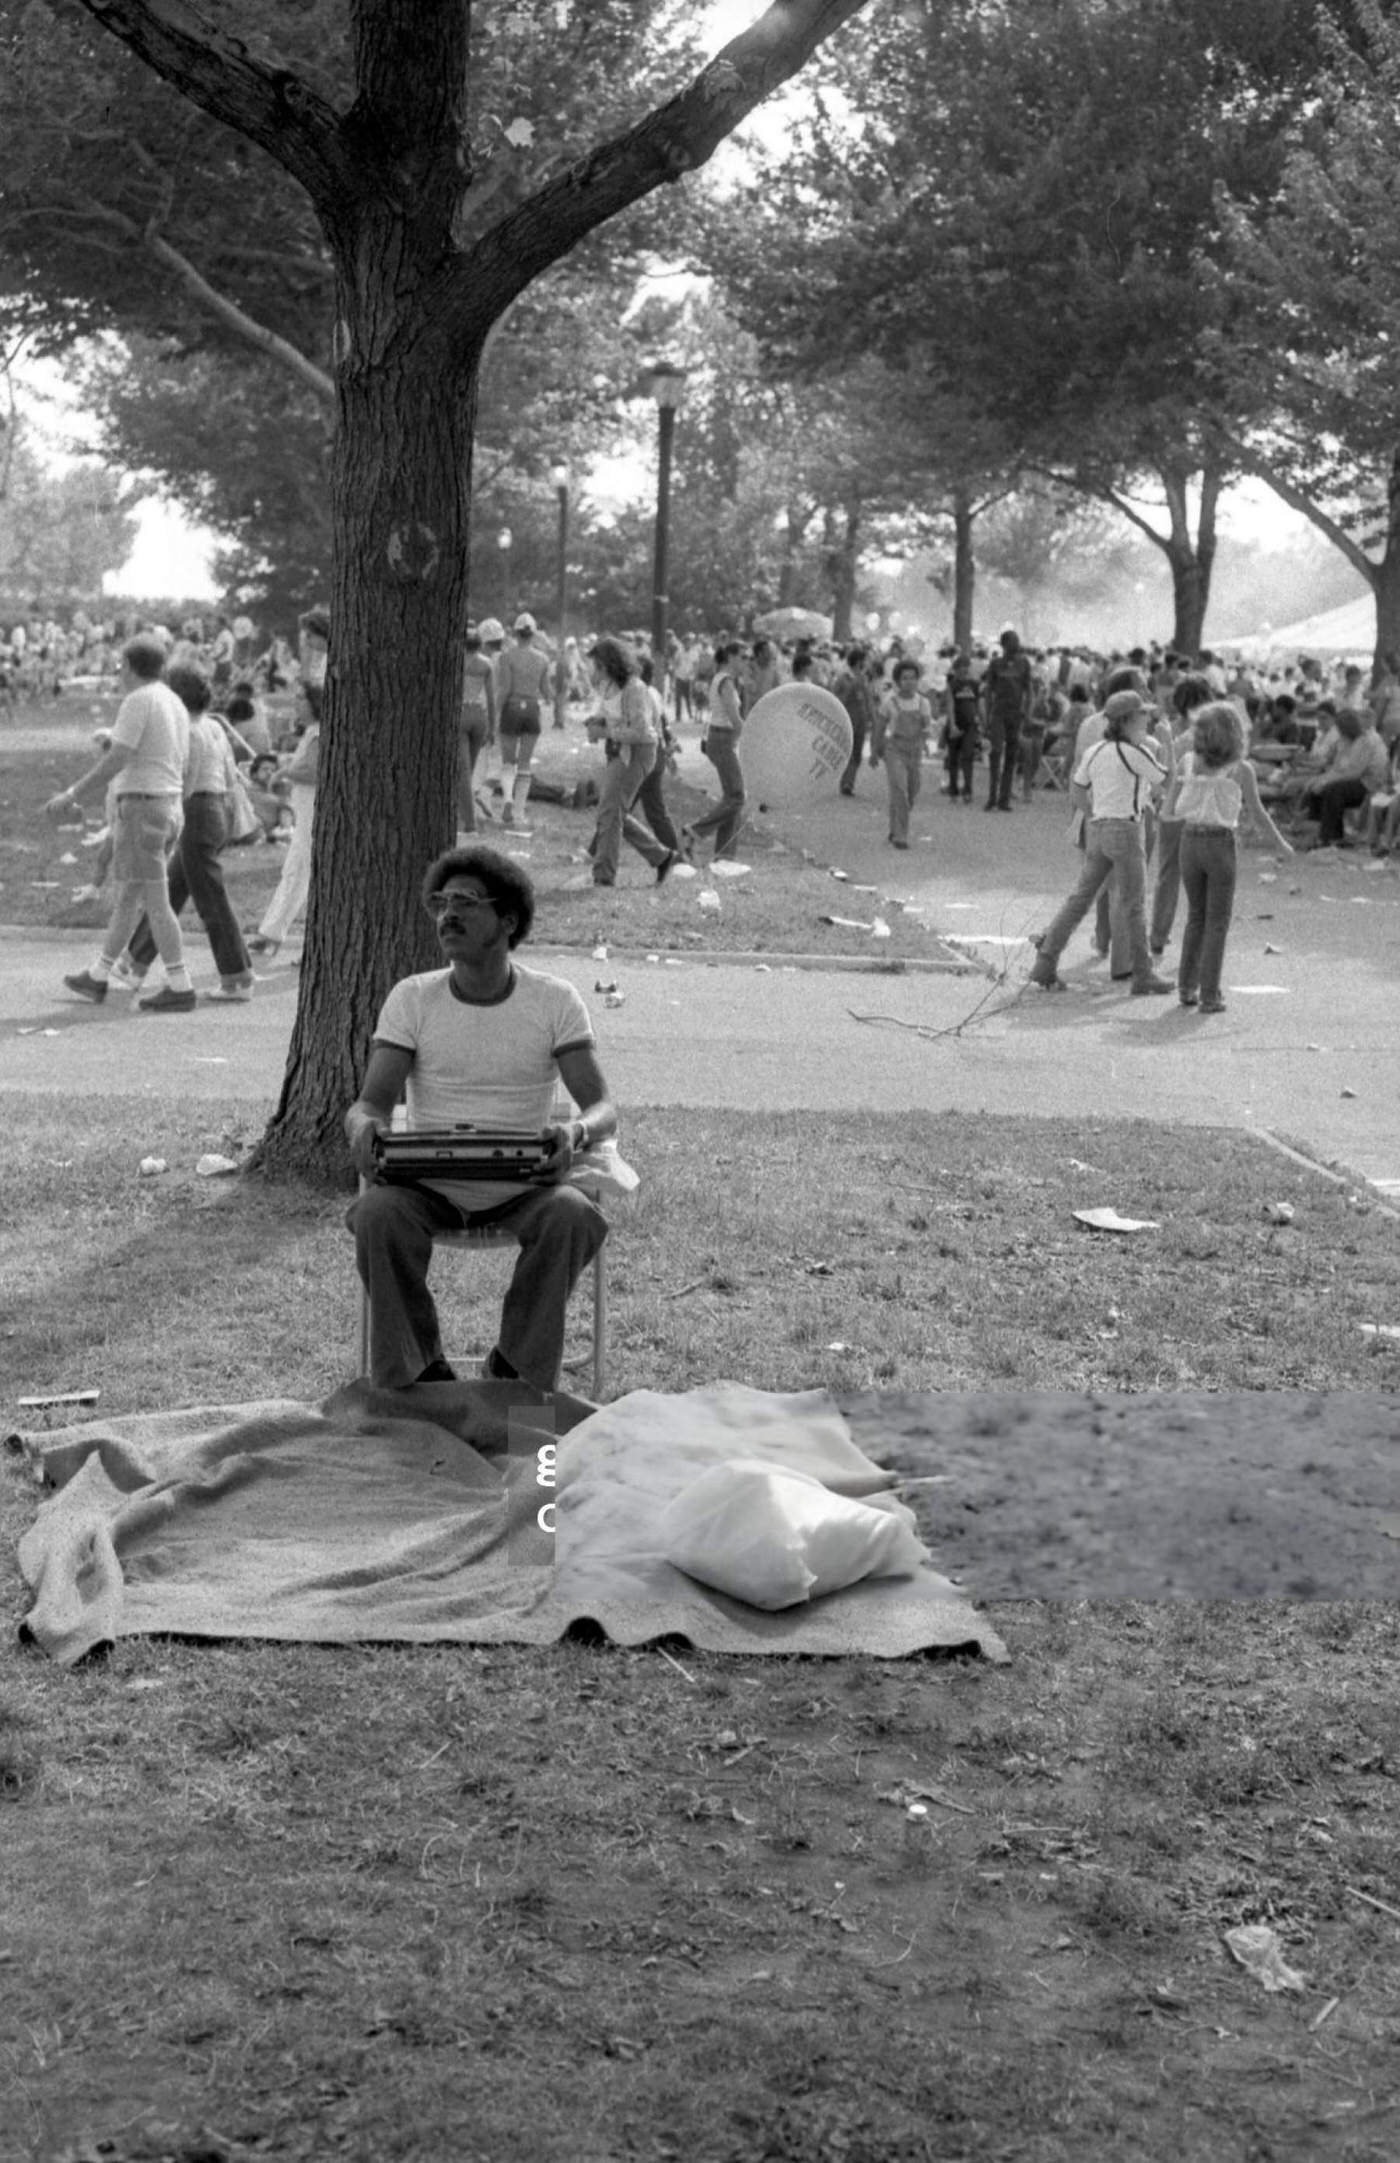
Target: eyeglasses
{"x":440,"y":906}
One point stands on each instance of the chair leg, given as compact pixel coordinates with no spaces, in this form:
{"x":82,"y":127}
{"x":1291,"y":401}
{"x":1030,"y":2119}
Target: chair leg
{"x":600,"y":1324}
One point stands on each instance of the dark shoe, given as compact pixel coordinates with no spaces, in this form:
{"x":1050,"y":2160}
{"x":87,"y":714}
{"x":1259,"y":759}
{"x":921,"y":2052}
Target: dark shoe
{"x":497,"y":1368}
{"x":1006,"y":807}
{"x":848,"y":792}
{"x":1146,"y":987}
{"x":1212,"y":1006}
{"x":87,"y":986}
{"x":989,"y":807}
{"x":234,"y":990}
{"x":603,"y":882}
{"x":664,"y":868}
{"x":897,"y":844}
{"x":167,"y":1001}
{"x":438,"y":1370}
{"x":1045,"y":976}
{"x":1190,"y":998}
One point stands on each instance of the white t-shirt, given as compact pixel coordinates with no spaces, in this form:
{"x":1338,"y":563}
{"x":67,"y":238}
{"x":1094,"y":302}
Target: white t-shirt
{"x":155,"y":726}
{"x":209,"y":757}
{"x":486,"y":1066}
{"x":1120,"y":778}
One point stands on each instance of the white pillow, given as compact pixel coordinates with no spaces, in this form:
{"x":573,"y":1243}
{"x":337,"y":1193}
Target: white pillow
{"x":775,"y":1538}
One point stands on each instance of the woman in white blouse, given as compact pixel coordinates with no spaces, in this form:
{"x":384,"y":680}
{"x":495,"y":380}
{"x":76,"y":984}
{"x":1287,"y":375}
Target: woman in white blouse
{"x":1113,"y":784}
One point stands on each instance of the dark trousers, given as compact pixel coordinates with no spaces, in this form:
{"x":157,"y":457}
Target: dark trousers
{"x":650,"y":800}
{"x":962,"y":757}
{"x":1208,"y":882}
{"x":1003,"y":745}
{"x":852,"y":769}
{"x":559,"y":1231}
{"x":1333,"y":800}
{"x":197,"y":875}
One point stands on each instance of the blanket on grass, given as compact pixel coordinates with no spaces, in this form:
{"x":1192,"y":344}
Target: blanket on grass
{"x":416,"y":1517}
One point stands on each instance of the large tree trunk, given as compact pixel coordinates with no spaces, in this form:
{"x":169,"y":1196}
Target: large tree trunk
{"x":964,"y":571}
{"x":1191,"y":558}
{"x":402,"y":493}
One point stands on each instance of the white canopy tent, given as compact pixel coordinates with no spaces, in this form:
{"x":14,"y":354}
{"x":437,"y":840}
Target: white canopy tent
{"x":1350,"y":629}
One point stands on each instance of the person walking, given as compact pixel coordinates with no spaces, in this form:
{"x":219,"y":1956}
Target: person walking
{"x":902,"y":723}
{"x":294,"y":885}
{"x":628,"y":724}
{"x":960,"y":700}
{"x":476,"y":727}
{"x":1112,"y":784}
{"x":147,"y":759}
{"x":852,"y":687}
{"x":1007,"y":688}
{"x":196,"y":873}
{"x":1213,"y":785}
{"x":522,"y":684}
{"x":720,"y":744}
{"x":1189,"y":695}
{"x":651,"y":796}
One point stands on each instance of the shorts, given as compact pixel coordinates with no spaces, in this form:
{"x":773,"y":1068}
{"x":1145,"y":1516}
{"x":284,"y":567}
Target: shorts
{"x":144,"y":833}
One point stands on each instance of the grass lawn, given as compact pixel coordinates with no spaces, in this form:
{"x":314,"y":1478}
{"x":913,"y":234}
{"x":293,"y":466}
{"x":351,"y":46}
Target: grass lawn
{"x":777,"y":908}
{"x":300,"y":1902}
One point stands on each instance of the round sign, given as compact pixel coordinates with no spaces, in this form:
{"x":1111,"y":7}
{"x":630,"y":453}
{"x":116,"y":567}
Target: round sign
{"x":795,"y":744}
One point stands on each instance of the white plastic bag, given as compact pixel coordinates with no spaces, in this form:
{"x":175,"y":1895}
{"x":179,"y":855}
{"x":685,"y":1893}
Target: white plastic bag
{"x":774,"y":1538}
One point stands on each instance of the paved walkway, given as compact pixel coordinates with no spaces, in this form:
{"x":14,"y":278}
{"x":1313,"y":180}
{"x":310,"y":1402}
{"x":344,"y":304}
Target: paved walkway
{"x":1307,"y":1047}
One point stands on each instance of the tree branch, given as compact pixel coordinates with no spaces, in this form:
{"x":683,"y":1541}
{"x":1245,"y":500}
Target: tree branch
{"x":272,"y":107}
{"x":244,"y":326}
{"x":673,"y":140}
{"x":1298,"y":500}
{"x":234,"y":318}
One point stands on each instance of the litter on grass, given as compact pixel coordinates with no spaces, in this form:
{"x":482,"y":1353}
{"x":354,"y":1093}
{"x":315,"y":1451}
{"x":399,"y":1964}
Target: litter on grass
{"x":213,"y":1166}
{"x":1279,"y":1212}
{"x":151,"y":1167}
{"x":723,"y":867}
{"x":1258,"y":1948}
{"x":1380,"y":1329}
{"x":1108,"y":1220}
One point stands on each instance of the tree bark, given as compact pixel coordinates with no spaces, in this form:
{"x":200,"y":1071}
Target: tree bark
{"x":964,"y":571}
{"x":385,"y":796}
{"x":842,"y":564}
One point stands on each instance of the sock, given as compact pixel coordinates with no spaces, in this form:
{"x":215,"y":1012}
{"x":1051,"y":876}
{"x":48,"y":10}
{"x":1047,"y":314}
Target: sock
{"x":101,"y":969}
{"x":520,"y":795}
{"x":178,"y":978}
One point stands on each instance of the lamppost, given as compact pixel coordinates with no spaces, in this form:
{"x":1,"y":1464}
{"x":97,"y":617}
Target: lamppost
{"x":503,"y":542}
{"x":665,"y":383}
{"x":560,"y":476}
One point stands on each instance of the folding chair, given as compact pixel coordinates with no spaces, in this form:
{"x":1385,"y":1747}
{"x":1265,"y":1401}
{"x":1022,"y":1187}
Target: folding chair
{"x":491,"y":1235}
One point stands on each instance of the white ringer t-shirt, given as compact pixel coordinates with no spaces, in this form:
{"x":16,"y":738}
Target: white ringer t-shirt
{"x":486,"y":1066}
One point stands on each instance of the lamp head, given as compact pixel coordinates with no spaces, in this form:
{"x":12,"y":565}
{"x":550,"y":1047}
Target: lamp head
{"x":665,"y":382}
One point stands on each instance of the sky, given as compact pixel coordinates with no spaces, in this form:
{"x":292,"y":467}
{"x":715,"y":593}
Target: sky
{"x":172,"y":555}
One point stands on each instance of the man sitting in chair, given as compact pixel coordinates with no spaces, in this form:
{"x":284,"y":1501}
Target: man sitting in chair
{"x":481,"y":1042}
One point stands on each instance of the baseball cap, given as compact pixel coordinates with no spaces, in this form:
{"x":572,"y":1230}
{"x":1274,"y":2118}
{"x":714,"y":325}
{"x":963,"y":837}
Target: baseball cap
{"x":490,"y":630}
{"x":1124,"y":704}
{"x":525,"y":621}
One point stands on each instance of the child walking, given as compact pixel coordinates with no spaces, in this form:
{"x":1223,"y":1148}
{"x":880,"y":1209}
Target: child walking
{"x":1214,"y":783}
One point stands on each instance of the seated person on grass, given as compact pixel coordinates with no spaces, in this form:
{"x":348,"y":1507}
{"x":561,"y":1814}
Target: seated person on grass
{"x":1353,"y":773}
{"x":482,"y":1041}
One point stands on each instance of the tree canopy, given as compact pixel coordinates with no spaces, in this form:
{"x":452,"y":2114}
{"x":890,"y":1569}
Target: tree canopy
{"x":440,"y":203}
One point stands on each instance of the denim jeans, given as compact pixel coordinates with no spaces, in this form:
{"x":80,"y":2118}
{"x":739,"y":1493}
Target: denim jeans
{"x":623,"y":777}
{"x":651,"y":803}
{"x":903,"y":772}
{"x":1111,"y":845}
{"x":1167,"y":891}
{"x":197,"y":875}
{"x":1208,"y":882}
{"x":727,"y":816}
